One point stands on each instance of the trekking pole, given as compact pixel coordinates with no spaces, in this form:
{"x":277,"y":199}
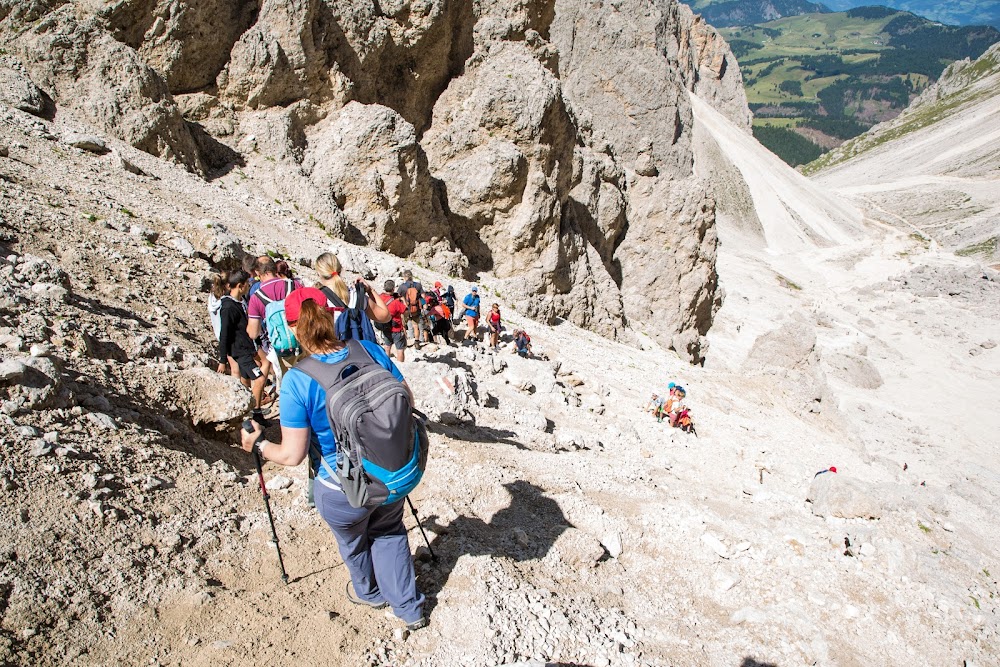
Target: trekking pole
{"x":420,"y":526}
{"x":248,"y":427}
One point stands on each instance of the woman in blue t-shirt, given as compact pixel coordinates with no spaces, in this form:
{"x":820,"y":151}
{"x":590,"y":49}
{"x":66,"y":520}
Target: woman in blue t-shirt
{"x":372,"y":542}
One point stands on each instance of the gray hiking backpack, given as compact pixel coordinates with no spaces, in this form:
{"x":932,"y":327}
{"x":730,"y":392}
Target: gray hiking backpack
{"x":381,"y":445}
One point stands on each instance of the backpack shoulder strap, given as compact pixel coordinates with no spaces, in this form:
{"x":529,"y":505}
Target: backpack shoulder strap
{"x":325,"y":374}
{"x":332,"y":296}
{"x":264,"y":299}
{"x":328,"y":374}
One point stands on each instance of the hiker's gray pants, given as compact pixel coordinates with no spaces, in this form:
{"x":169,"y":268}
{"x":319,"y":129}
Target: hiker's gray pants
{"x":375,"y":548}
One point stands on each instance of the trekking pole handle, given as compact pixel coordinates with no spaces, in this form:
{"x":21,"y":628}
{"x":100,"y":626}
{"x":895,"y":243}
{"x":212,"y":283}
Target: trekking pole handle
{"x":248,"y":427}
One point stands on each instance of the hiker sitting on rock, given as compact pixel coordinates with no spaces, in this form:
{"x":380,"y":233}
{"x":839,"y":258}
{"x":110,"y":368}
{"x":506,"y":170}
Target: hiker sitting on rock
{"x":679,"y":413}
{"x":655,"y":406}
{"x":236,"y":350}
{"x":522,"y":342}
{"x":372,"y":541}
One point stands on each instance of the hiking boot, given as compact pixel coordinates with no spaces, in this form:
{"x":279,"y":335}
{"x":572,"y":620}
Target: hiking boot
{"x":353,"y":600}
{"x":417,"y":624}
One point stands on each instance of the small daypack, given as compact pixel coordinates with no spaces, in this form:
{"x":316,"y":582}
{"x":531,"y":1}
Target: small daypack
{"x":413,"y":301}
{"x":353,"y":322}
{"x":381,"y":445}
{"x":276,"y":324}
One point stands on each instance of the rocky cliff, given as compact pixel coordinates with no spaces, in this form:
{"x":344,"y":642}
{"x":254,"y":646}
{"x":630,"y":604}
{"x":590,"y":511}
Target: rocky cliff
{"x":546,"y":142}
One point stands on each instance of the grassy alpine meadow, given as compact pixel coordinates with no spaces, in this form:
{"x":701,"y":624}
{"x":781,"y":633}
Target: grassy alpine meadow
{"x":828,"y":77}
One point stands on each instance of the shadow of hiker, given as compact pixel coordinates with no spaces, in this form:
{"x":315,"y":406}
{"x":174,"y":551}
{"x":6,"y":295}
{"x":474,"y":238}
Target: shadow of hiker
{"x":475,"y":433}
{"x":538,"y":516}
{"x":752,"y":662}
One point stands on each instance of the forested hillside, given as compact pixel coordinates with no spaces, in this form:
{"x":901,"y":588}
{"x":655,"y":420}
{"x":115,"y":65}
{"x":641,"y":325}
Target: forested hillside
{"x":828,"y":77}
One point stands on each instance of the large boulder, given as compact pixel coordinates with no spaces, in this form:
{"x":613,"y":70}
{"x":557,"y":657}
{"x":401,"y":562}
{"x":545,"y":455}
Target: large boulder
{"x":838,"y":495}
{"x":443,"y":392}
{"x":213,"y":242}
{"x":208,"y":397}
{"x":17,"y":90}
{"x":788,"y":356}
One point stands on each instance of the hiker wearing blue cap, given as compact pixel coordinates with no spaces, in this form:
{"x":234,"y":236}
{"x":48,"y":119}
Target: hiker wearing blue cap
{"x":471,"y":302}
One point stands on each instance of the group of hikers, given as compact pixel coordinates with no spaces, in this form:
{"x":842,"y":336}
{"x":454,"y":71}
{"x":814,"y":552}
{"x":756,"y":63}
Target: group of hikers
{"x":250,"y":300}
{"x":329,"y":349}
{"x":670,"y":405}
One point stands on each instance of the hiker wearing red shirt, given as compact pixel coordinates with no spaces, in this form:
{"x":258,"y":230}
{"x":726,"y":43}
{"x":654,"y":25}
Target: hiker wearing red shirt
{"x":493,"y":323}
{"x":393,"y":331}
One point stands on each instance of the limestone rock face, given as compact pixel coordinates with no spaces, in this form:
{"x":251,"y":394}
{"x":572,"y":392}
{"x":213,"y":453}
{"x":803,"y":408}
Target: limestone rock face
{"x":17,"y":89}
{"x":366,"y":157}
{"x":502,"y":142}
{"x":709,"y":68}
{"x":84,"y":68}
{"x":547,"y":143}
{"x":188,"y":43}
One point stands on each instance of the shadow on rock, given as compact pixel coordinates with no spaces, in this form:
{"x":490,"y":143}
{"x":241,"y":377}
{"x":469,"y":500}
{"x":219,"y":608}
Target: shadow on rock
{"x":523,"y":531}
{"x":753,"y":662}
{"x":473,"y":433}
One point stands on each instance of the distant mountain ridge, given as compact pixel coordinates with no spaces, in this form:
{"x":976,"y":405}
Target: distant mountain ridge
{"x":728,"y":13}
{"x":957,"y":12}
{"x":750,"y":12}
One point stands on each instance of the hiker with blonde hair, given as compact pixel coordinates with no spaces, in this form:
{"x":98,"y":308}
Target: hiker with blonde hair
{"x":343,"y":298}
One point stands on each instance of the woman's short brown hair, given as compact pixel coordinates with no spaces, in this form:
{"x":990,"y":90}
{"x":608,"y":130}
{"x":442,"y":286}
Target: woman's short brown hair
{"x":315,"y":329}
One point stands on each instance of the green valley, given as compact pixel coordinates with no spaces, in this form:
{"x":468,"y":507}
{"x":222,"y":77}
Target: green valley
{"x":816,"y":80}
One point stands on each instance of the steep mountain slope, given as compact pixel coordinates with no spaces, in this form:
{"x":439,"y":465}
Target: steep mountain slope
{"x":785,"y":210}
{"x":569,"y":526}
{"x":475,"y":138}
{"x":937,"y":165}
